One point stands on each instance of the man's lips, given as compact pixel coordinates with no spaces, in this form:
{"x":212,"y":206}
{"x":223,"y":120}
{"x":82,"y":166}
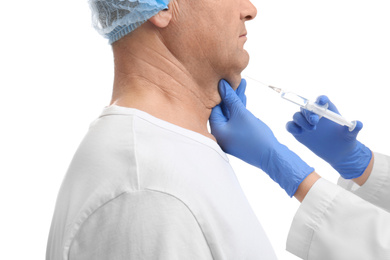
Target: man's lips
{"x":244,"y":34}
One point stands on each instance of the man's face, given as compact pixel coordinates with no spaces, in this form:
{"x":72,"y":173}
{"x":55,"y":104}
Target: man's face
{"x":212,"y":34}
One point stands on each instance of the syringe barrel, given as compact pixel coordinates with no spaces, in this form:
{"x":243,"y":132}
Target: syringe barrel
{"x":332,"y":116}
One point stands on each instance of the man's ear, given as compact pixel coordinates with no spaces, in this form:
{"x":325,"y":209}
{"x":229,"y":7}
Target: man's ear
{"x":162,"y":19}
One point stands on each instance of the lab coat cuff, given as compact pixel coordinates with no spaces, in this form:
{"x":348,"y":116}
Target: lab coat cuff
{"x":309,"y":216}
{"x":376,"y":190}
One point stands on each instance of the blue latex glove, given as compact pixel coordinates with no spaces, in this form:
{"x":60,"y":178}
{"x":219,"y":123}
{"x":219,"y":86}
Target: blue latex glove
{"x":332,"y":142}
{"x":241,"y":134}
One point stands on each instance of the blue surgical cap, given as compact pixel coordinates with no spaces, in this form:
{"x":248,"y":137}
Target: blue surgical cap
{"x":115,"y":18}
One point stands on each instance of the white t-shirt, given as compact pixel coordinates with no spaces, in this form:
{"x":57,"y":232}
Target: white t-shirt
{"x":141,"y":188}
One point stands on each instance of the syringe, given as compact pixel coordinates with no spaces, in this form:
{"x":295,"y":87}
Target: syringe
{"x":322,"y":111}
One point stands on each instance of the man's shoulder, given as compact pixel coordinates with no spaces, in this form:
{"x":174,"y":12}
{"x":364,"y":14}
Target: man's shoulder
{"x":137,"y":224}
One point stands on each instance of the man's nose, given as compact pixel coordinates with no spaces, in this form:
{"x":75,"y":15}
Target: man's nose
{"x":248,"y":10}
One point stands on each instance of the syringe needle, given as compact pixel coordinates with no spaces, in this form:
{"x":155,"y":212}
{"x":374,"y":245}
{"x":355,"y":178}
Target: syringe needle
{"x":279,"y":90}
{"x":258,"y":81}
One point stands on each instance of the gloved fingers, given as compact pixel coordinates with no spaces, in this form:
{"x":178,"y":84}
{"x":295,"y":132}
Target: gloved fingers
{"x":323,"y":100}
{"x":311,"y":117}
{"x":229,"y":97}
{"x":293,"y":128}
{"x":358,"y":127}
{"x":352,"y":135}
{"x":225,"y":110}
{"x":240,"y":91}
{"x":217,"y":115}
{"x":306,"y":120}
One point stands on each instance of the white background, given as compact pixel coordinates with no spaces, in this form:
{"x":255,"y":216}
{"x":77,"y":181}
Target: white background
{"x":57,"y":72}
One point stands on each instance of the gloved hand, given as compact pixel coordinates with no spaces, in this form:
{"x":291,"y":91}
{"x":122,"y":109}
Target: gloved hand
{"x":241,"y":134}
{"x":332,"y":142}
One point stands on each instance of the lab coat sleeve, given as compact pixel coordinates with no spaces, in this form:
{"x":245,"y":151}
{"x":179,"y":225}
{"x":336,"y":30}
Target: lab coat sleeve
{"x":141,"y":225}
{"x":376,"y":190}
{"x":333,"y":223}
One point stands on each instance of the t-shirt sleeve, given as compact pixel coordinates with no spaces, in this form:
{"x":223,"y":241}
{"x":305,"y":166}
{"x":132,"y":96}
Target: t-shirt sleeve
{"x":333,"y":223}
{"x":376,"y":190}
{"x":141,"y":225}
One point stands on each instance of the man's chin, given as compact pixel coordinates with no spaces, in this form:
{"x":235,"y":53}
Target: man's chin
{"x":234,"y":80}
{"x":243,"y":62}
{"x":246,"y":60}
{"x":234,"y":76}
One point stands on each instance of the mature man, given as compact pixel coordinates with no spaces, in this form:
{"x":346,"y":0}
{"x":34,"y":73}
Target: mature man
{"x":149,"y":181}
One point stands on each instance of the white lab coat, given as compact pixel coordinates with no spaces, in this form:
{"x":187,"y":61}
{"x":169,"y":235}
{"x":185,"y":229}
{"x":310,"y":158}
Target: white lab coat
{"x":345,"y":222}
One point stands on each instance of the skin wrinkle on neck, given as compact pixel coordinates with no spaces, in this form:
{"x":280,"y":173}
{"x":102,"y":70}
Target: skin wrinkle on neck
{"x":173,"y":94}
{"x":176,"y":65}
{"x":157,"y":86}
{"x":181,"y":67}
{"x":170,"y":66}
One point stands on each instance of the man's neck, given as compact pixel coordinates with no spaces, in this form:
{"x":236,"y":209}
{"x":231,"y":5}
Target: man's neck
{"x":155,"y":82}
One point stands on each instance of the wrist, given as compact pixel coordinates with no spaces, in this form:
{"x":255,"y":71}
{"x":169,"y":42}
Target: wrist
{"x":306,"y":185}
{"x":286,"y":168}
{"x":364,"y":177}
{"x":356,"y":163}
